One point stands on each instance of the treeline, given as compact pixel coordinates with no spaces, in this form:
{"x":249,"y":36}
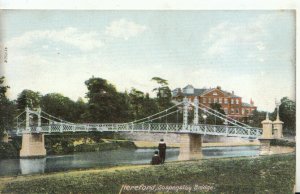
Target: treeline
{"x":104,"y":103}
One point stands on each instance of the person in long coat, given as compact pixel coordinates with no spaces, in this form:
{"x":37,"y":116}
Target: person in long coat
{"x":155,"y":159}
{"x":162,"y":150}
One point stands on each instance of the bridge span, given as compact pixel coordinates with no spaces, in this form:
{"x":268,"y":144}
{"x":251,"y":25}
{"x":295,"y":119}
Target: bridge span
{"x":190,"y":132}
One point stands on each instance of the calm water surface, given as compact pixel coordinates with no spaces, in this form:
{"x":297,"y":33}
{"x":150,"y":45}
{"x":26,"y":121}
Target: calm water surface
{"x":108,"y":158}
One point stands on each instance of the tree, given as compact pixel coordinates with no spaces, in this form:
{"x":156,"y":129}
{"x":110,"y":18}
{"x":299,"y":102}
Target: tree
{"x":7,"y":109}
{"x":163,"y":93}
{"x":142,"y":105}
{"x":105,"y":104}
{"x":136,"y":100}
{"x":256,"y":118}
{"x":149,"y":106}
{"x":62,"y":107}
{"x":28,"y":98}
{"x":214,"y":120}
{"x":287,"y":114}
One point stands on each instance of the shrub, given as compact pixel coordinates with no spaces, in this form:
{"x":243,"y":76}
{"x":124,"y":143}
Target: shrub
{"x":281,"y":142}
{"x":7,"y":150}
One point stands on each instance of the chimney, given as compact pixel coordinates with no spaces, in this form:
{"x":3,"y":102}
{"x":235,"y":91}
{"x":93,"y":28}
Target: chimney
{"x":251,"y":102}
{"x":232,"y":92}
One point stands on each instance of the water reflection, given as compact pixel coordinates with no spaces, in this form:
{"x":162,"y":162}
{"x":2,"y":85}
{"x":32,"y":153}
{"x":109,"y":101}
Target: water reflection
{"x":31,"y":166}
{"x":108,"y":158}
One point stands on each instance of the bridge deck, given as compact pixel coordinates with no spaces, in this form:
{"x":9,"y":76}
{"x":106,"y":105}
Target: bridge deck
{"x":219,"y":130}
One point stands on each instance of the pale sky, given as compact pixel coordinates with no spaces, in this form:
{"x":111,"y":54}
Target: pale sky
{"x":250,"y":52}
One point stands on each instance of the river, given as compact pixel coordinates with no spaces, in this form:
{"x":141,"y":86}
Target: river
{"x":109,"y":158}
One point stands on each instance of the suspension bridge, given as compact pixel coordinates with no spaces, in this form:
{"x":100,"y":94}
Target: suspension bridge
{"x":191,"y":131}
{"x":53,"y":124}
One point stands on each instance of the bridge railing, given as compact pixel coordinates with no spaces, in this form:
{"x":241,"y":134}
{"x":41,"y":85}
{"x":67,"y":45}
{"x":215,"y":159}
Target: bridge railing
{"x":65,"y":127}
{"x":225,"y":130}
{"x":150,"y":127}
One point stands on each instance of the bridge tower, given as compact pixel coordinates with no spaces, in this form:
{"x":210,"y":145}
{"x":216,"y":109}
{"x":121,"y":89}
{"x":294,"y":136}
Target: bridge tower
{"x":33,"y":144}
{"x":266,"y":137}
{"x":277,"y":124}
{"x":196,"y":116}
{"x":185,"y":114}
{"x":190,"y":144}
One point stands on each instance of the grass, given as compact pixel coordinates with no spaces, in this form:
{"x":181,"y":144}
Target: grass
{"x":268,"y":174}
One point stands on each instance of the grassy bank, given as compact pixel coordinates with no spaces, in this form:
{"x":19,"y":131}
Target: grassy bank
{"x":268,"y":174}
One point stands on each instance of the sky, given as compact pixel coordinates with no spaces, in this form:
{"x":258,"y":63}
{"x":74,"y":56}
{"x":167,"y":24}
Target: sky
{"x":249,"y":52}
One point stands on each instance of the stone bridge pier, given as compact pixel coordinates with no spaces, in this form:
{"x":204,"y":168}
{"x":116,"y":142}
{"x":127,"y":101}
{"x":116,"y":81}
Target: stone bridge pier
{"x":33,"y":144}
{"x":190,"y":146}
{"x":266,"y":136}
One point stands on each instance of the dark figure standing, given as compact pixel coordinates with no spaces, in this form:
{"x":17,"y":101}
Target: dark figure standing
{"x":155,"y":159}
{"x":162,"y":150}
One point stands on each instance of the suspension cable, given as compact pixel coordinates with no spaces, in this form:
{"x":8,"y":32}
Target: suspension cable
{"x":219,"y":116}
{"x":61,"y":120}
{"x":19,"y":115}
{"x":227,"y":118}
{"x":163,"y":116}
{"x":166,"y":117}
{"x":156,"y":113}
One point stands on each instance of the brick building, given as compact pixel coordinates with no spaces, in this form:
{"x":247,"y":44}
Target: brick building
{"x":231,"y":103}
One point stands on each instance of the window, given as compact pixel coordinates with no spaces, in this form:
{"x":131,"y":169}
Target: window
{"x":215,"y":93}
{"x":220,"y":100}
{"x":226,"y":110}
{"x":232,"y":111}
{"x":237,"y":101}
{"x":232,"y":101}
{"x":215,"y":100}
{"x":247,"y":111}
{"x":237,"y":111}
{"x":225,"y":101}
{"x":243,"y":111}
{"x":209,"y":100}
{"x":204,"y":100}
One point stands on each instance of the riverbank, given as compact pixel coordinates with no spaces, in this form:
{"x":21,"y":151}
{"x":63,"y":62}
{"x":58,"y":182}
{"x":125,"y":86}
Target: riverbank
{"x":69,"y":144}
{"x":264,"y":174}
{"x":277,"y":146}
{"x":152,"y":144}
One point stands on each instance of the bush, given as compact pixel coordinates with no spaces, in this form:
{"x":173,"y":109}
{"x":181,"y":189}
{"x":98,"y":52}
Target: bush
{"x":59,"y":145}
{"x":7,"y":150}
{"x":113,"y":145}
{"x":95,"y":147}
{"x":126,"y":144}
{"x":280,"y":142}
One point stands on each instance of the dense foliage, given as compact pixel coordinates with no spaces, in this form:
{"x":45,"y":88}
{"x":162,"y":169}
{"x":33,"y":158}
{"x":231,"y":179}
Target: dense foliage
{"x":287,"y":112}
{"x":8,"y":150}
{"x":213,"y":120}
{"x":7,"y":109}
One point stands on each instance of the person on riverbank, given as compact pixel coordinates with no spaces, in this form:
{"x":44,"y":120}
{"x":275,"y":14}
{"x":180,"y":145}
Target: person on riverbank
{"x":155,"y":159}
{"x":162,"y":150}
